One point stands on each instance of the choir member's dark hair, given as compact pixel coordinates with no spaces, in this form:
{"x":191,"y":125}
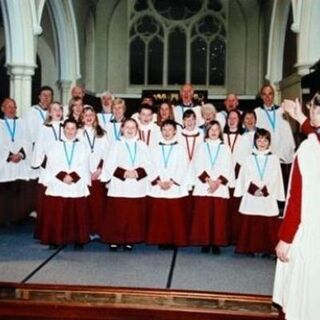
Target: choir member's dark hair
{"x":209,"y":126}
{"x":70,"y":120}
{"x":147,"y":97}
{"x":96,"y":126}
{"x":261,"y":133}
{"x":72,"y":101}
{"x":171,"y":115}
{"x":145,"y":106}
{"x":168,"y":122}
{"x":240,"y":129}
{"x":249,"y":112}
{"x":129,"y":120}
{"x":45,"y":88}
{"x":188,"y":114}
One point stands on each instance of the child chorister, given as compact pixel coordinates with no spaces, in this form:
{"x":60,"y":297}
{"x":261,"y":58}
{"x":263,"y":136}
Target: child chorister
{"x":260,"y":185}
{"x":240,"y":147}
{"x":64,"y":216}
{"x":149,"y":132}
{"x":49,"y":133}
{"x":213,"y":169}
{"x":167,"y":214}
{"x":95,"y":139}
{"x":14,"y":165}
{"x":127,"y":168}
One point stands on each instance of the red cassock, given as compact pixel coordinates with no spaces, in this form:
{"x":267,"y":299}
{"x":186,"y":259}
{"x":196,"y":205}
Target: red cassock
{"x":64,"y":215}
{"x":168,"y":215}
{"x":125,"y":214}
{"x":210,"y":221}
{"x":258,"y":215}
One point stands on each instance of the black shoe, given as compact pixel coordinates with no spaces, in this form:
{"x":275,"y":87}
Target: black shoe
{"x":53,"y":246}
{"x":216,"y":250}
{"x":128,"y":247}
{"x":205,"y":249}
{"x":78,"y":246}
{"x":113,"y":247}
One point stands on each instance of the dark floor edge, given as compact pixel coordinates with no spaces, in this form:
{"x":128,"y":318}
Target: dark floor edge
{"x":30,"y":275}
{"x":172,"y":266}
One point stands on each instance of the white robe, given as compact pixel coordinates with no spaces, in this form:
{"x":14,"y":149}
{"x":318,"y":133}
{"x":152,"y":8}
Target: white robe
{"x":119,"y":157}
{"x":113,"y":129}
{"x":10,"y":171}
{"x":97,"y":147}
{"x":282,"y":141}
{"x":223,"y":166}
{"x":57,"y":162}
{"x":240,"y":147}
{"x":150,"y":134}
{"x":190,"y":141}
{"x":104,"y":119}
{"x":47,"y":136}
{"x":271,"y":178}
{"x":175,"y":169}
{"x":297,"y":282}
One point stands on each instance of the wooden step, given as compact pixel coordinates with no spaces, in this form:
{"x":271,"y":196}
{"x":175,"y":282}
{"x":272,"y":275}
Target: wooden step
{"x":48,"y":302}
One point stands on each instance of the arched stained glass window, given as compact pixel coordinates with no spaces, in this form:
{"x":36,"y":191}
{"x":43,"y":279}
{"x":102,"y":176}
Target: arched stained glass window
{"x":174,"y":42}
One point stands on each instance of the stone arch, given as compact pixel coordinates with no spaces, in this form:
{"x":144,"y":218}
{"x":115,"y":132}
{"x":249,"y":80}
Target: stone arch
{"x":279,"y":19}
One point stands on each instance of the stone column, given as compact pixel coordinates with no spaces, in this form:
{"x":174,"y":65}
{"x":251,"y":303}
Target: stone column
{"x":65,"y":87}
{"x":21,"y":85}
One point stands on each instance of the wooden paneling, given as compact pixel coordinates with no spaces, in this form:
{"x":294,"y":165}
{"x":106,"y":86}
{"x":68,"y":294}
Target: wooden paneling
{"x":48,"y":302}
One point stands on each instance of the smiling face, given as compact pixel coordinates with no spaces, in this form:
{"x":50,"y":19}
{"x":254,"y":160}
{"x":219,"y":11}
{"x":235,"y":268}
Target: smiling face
{"x":164,"y":111}
{"x":77,"y":108}
{"x":233,"y":120}
{"x":214,"y":132}
{"x":145,"y":116}
{"x":118,"y":110}
{"x":55,"y":111}
{"x":9,"y":108}
{"x":129,"y":129}
{"x":249,"y":121}
{"x":315,"y":115}
{"x":168,"y":132}
{"x":89,"y":117}
{"x":189,"y":123}
{"x":262,"y":143}
{"x":70,"y":130}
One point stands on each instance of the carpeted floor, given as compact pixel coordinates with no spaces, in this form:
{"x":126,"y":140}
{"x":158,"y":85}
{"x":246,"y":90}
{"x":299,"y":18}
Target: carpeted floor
{"x":23,"y":259}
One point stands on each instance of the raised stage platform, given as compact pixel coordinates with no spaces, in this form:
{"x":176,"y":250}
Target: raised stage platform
{"x":183,"y":278}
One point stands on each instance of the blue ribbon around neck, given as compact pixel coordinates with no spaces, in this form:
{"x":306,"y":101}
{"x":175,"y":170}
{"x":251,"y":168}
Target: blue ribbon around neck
{"x":12,"y":132}
{"x":132,"y":155}
{"x":165,"y":156}
{"x":69,"y":157}
{"x":213,"y":158}
{"x":261,"y":170}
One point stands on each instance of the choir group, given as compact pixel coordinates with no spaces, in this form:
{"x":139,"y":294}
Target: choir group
{"x":183,"y":175}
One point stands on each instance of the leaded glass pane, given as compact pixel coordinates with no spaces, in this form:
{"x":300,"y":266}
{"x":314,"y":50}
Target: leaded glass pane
{"x":217,"y":62}
{"x":137,"y":57}
{"x":155,"y":61}
{"x":177,"y":57}
{"x":198,"y":61}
